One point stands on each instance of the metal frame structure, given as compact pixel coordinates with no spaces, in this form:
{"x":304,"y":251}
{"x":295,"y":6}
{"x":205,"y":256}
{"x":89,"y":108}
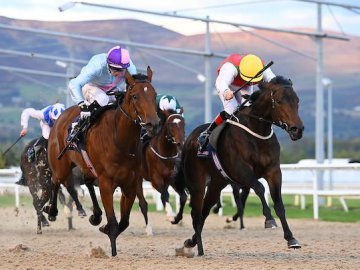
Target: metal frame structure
{"x":317,"y":36}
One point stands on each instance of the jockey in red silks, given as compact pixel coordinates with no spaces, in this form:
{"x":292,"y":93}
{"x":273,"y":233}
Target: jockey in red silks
{"x":103,"y":72}
{"x":233,"y":73}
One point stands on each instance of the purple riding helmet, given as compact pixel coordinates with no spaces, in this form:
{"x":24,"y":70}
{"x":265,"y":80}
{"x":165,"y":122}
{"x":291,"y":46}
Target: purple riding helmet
{"x":118,"y":58}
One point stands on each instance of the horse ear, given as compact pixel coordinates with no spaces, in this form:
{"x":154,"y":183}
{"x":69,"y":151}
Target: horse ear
{"x":149,"y":73}
{"x":129,"y":78}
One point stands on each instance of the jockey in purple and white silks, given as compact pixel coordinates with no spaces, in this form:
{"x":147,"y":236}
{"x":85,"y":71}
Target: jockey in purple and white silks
{"x":47,"y":117}
{"x":102,"y":73}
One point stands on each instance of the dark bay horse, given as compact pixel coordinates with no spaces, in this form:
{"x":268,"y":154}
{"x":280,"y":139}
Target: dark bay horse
{"x":37,"y":176}
{"x":248,"y":150}
{"x":113,"y":147}
{"x":159,"y":158}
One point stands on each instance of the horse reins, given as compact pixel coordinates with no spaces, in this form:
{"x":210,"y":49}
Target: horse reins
{"x":276,"y":123}
{"x":170,"y":139}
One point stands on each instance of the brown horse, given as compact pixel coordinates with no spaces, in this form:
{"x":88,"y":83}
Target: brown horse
{"x":37,"y":176}
{"x":159,"y":159}
{"x":113,"y":146}
{"x":248,"y":150}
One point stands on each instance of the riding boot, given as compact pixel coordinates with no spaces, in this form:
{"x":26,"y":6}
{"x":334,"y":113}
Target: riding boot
{"x":21,"y":181}
{"x":203,"y":138}
{"x":75,"y":127}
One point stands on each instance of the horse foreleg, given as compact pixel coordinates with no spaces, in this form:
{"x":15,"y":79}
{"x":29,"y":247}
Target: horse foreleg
{"x":95,"y":218}
{"x":260,"y":192}
{"x":165,"y":198}
{"x":111,"y":228}
{"x":274,"y":181}
{"x":127,"y":201}
{"x":143,"y":207}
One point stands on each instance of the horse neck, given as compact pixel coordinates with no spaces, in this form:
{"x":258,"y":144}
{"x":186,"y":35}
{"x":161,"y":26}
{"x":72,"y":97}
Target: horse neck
{"x":261,"y":108}
{"x":162,"y":144}
{"x":125,"y":131}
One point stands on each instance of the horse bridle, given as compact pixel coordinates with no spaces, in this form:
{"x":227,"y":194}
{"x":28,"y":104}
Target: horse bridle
{"x":138,"y":120}
{"x":171,"y":139}
{"x":167,"y":136}
{"x":276,"y":123}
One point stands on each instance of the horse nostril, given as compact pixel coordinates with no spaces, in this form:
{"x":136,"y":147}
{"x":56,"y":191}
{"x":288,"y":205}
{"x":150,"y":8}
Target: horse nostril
{"x":293,"y":129}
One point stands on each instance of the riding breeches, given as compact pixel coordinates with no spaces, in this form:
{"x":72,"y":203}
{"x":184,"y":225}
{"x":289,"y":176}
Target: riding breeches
{"x":92,"y":93}
{"x":45,"y":129}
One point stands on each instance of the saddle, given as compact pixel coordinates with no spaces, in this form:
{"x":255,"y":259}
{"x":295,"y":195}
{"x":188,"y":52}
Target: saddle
{"x":78,"y":142}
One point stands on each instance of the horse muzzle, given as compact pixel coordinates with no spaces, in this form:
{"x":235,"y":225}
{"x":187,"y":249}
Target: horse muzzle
{"x":152,"y":128}
{"x":295,"y":132}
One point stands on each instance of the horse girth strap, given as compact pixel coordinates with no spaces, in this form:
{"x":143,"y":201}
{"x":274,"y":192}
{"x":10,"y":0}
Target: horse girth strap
{"x":248,"y":130}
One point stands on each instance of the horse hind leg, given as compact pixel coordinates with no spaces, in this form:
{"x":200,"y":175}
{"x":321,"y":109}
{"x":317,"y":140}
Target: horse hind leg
{"x":96,"y":217}
{"x":240,"y":199}
{"x":144,"y":208}
{"x":73,"y":193}
{"x":211,"y":198}
{"x":52,"y":210}
{"x":126,"y":205}
{"x":179,"y":216}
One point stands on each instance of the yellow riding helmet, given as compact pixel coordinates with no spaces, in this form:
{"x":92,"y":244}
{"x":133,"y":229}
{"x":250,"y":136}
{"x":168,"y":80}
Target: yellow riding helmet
{"x":249,"y":66}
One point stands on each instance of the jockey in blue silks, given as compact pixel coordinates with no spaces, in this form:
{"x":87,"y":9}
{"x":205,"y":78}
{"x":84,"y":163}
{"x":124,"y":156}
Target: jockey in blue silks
{"x":102,"y":73}
{"x":47,"y":117}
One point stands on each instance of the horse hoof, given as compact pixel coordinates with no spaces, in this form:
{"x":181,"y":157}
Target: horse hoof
{"x":38,"y":231}
{"x":270,"y":224}
{"x":104,"y":229}
{"x":176,"y":220}
{"x":45,"y":223}
{"x":148,"y":230}
{"x":184,"y":252}
{"x":95,"y":220}
{"x":51,"y":218}
{"x":46,"y":209}
{"x":293,"y":243}
{"x":81,"y":213}
{"x":189,"y":244}
{"x":229,"y":220}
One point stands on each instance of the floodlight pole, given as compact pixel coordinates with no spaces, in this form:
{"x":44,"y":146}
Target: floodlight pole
{"x":208,"y":81}
{"x":319,"y":120}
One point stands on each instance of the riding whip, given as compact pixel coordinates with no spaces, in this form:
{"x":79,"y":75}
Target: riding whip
{"x":11,"y":146}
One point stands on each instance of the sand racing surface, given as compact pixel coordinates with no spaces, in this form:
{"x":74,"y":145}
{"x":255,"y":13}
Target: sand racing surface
{"x":325,"y":245}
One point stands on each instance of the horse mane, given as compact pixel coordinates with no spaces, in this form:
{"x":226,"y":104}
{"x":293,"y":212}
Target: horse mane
{"x":140,"y":77}
{"x":276,"y":80}
{"x":279,"y":80}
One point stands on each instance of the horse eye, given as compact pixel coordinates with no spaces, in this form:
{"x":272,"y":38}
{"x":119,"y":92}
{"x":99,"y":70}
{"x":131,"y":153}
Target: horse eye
{"x":134,"y":97}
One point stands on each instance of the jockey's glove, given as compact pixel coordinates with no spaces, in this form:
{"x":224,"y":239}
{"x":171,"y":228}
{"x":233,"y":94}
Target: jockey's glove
{"x":85,"y":112}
